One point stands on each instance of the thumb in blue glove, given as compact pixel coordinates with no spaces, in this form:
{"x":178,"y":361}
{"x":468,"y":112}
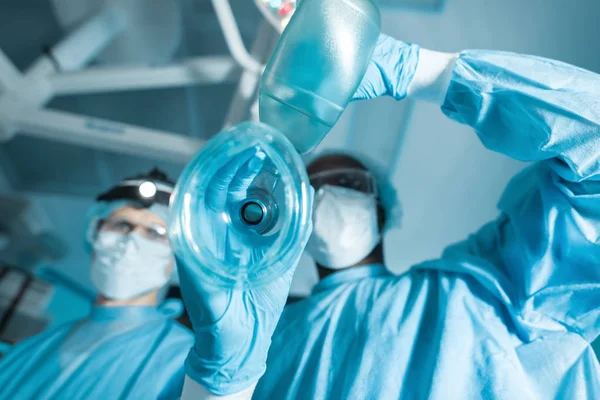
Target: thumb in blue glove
{"x":390,"y":71}
{"x":231,"y":181}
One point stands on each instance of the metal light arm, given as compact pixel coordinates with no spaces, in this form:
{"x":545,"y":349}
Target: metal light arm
{"x":195,"y":71}
{"x":60,"y":73}
{"x":10,"y":77}
{"x":104,"y":135}
{"x":234,"y":38}
{"x":82,"y":45}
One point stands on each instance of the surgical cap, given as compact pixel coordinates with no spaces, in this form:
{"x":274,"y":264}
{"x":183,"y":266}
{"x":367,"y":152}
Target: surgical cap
{"x":388,"y":195}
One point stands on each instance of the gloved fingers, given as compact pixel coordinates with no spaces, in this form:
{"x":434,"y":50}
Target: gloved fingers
{"x":390,"y":70}
{"x":245,"y":176}
{"x":216,"y":191}
{"x":372,"y":84}
{"x":226,"y":173}
{"x":383,"y":46}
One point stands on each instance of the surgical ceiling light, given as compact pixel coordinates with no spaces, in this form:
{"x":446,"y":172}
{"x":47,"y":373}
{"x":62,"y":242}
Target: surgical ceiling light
{"x":277,"y":12}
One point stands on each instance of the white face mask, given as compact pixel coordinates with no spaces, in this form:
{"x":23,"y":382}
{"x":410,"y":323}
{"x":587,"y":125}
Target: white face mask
{"x":345,"y":228}
{"x":127,"y":266}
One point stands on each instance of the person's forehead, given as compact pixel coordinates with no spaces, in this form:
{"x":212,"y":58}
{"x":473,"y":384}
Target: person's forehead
{"x":139,"y":216}
{"x":333,"y":161}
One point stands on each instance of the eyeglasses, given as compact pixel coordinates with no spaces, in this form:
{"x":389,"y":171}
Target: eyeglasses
{"x":350,"y":178}
{"x":154,"y":232}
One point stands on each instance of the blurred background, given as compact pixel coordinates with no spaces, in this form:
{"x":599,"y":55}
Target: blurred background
{"x":447,"y":182}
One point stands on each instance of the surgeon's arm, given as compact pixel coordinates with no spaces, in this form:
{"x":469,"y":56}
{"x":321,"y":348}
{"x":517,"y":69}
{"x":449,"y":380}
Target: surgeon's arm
{"x":526,"y":107}
{"x":543,"y":252}
{"x":541,"y":256}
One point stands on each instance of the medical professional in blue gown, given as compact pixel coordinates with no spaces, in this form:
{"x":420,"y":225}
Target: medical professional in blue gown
{"x":128,"y":347}
{"x":510,"y":313}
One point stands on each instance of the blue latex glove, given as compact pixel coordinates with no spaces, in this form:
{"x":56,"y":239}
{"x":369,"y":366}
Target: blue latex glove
{"x":233,"y":328}
{"x":390,"y":71}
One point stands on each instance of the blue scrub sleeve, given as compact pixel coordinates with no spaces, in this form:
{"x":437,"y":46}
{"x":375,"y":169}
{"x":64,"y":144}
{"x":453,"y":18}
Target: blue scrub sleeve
{"x":530,"y":108}
{"x":542,"y":256}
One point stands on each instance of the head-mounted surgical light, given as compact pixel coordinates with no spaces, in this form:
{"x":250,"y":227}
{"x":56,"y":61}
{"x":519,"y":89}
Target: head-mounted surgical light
{"x":148,"y":189}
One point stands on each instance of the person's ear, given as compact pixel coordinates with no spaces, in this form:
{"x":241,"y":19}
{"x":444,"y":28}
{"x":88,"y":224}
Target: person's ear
{"x":169,"y":268}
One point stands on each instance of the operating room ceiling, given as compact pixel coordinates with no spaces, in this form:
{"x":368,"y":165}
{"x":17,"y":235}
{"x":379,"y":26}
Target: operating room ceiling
{"x":61,"y":180}
{"x":42,"y":166}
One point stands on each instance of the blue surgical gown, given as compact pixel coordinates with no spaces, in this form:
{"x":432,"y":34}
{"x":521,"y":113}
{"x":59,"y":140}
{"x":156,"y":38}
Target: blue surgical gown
{"x":117,"y":353}
{"x":507,"y":314}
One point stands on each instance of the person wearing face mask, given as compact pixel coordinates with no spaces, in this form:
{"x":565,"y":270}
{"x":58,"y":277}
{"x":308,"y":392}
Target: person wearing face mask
{"x":349,"y":213}
{"x":353,"y":206}
{"x":511,"y":312}
{"x":508,"y":313}
{"x":129,"y":346}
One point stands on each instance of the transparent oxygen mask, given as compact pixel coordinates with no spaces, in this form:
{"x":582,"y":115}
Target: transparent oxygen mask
{"x":253,"y":238}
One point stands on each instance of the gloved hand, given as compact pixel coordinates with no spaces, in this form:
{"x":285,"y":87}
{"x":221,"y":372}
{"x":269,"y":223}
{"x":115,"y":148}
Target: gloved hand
{"x":390,"y":71}
{"x":232,"y":327}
